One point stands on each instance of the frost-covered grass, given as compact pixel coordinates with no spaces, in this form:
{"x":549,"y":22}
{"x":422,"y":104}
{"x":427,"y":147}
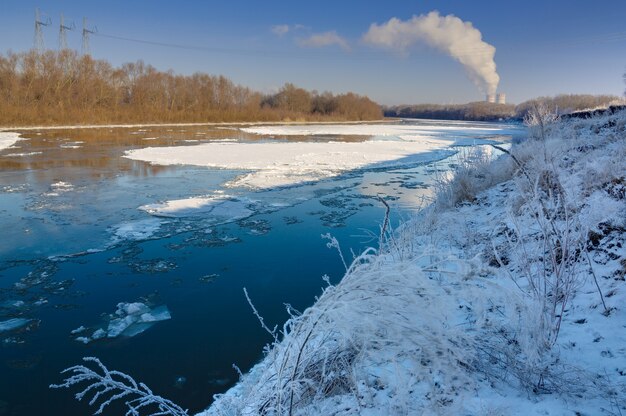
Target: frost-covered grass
{"x":504,"y":297}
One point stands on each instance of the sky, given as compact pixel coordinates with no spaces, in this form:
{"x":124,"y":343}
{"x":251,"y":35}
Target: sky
{"x":541,"y":47}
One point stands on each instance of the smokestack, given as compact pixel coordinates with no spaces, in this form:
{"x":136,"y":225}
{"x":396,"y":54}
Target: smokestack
{"x":501,"y":98}
{"x":490,"y":98}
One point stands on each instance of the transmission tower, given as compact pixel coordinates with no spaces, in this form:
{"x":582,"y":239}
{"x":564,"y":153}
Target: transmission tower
{"x":39,"y":23}
{"x":86,"y":33}
{"x":63,"y":28}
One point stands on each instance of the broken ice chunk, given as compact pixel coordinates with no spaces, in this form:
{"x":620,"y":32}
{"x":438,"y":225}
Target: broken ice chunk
{"x":12,"y":324}
{"x":130,"y":319}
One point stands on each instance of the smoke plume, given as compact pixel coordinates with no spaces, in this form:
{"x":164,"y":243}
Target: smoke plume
{"x":459,"y":39}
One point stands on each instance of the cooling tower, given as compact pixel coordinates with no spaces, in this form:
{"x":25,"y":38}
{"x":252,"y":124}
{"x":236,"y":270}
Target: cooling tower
{"x":491,"y":98}
{"x":501,"y":98}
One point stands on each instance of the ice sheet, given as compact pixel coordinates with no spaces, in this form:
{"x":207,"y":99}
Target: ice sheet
{"x":137,"y":230}
{"x":8,"y":138}
{"x":223,"y":207}
{"x":396,"y":129}
{"x":11,"y":324}
{"x":284,"y":164}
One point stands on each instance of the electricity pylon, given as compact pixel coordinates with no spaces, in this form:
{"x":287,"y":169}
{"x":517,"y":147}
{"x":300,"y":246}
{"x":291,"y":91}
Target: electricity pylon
{"x":38,"y":44}
{"x":86,"y":33}
{"x":62,"y":33}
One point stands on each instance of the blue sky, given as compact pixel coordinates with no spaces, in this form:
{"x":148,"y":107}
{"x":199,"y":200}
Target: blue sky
{"x":542,"y":47}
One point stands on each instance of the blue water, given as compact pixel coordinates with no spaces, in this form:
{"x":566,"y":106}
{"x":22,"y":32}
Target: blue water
{"x":62,"y":267}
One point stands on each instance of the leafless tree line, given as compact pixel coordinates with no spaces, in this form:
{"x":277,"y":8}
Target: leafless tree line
{"x":65,"y":87}
{"x":484,"y":111}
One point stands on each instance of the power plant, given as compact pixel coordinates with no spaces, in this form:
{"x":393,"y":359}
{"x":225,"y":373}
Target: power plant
{"x":499,"y":98}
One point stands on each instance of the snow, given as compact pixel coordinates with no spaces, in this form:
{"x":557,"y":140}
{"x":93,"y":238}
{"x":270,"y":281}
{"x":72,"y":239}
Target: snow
{"x":275,"y":164}
{"x":443,"y":318}
{"x":8,"y":139}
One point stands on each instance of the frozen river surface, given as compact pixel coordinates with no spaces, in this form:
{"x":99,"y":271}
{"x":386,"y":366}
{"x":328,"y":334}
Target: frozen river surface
{"x":134,"y":244}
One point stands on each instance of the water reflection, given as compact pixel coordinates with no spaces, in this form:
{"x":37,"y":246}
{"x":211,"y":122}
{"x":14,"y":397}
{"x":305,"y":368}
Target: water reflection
{"x":98,"y":150}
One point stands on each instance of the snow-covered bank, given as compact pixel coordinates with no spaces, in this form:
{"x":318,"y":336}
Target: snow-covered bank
{"x":511,"y":301}
{"x":8,"y":138}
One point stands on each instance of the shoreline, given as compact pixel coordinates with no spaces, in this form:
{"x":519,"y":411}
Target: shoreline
{"x":447,"y":299}
{"x":208,"y":124}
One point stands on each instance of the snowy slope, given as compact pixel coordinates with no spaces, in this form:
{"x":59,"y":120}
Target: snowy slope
{"x":509,"y":302}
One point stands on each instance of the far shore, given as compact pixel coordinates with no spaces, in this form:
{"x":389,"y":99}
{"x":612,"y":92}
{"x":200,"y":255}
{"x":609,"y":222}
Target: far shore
{"x":236,"y":123}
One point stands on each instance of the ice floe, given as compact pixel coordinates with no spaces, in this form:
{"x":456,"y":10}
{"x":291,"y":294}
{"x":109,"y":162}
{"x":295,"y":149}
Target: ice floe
{"x":8,"y":138}
{"x":137,"y":230}
{"x":275,"y":164}
{"x":59,"y":187}
{"x":130,"y":319}
{"x":13,"y":324}
{"x":25,"y":154}
{"x":223,"y":208}
{"x":413,"y":130}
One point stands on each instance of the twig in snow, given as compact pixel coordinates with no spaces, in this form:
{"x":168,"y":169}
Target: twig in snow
{"x":595,"y":279}
{"x":385,"y":222}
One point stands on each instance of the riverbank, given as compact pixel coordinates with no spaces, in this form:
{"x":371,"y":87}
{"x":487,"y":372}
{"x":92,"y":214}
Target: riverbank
{"x":503,"y":297}
{"x":210,"y":124}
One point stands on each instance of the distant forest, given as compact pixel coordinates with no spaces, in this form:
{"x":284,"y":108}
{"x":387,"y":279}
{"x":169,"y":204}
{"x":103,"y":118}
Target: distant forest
{"x":64,"y":87}
{"x":484,"y":111}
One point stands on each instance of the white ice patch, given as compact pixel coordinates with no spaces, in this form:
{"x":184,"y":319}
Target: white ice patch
{"x":8,"y":138}
{"x":12,"y":324}
{"x":129,"y":319}
{"x":223,"y":208}
{"x":59,"y":187}
{"x":284,"y":164}
{"x":25,"y":154}
{"x":137,"y":230}
{"x":414,"y":130}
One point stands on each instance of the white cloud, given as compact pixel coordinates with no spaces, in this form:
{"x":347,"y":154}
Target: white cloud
{"x":320,"y":40}
{"x":280,"y":30}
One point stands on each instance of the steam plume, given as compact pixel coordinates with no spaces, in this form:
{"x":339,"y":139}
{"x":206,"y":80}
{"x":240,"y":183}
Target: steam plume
{"x":459,"y":39}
